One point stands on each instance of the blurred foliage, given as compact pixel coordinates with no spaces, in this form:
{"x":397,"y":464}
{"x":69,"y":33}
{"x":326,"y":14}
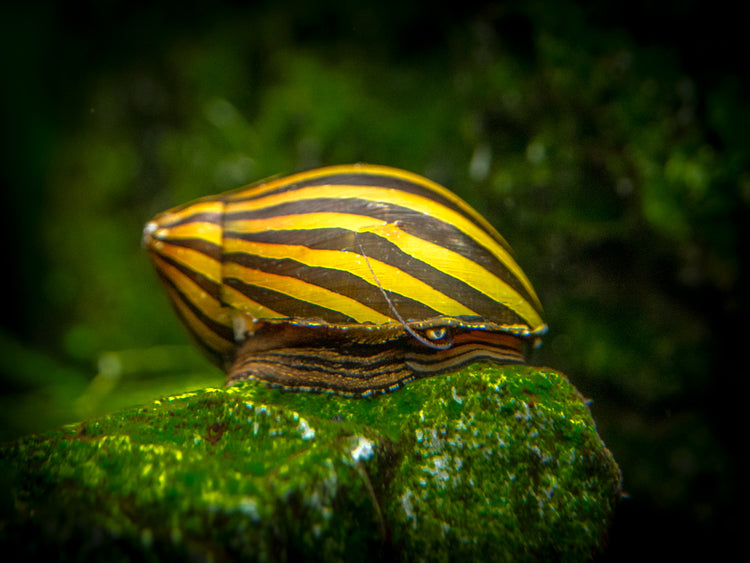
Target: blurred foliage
{"x":608,"y":146}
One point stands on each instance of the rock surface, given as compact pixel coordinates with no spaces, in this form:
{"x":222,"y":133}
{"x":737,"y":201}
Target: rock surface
{"x":493,"y":462}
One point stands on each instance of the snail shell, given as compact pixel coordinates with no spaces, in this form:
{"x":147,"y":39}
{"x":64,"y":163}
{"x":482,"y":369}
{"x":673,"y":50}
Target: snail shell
{"x":353,"y":279}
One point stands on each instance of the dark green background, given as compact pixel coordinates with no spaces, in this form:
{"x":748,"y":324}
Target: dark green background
{"x":607,"y":143}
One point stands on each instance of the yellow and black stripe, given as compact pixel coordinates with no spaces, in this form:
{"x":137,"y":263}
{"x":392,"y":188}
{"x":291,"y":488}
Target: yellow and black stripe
{"x":357,"y":248}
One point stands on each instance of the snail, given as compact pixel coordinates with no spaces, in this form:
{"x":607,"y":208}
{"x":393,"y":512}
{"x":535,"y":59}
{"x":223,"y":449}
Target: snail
{"x":351,"y":279}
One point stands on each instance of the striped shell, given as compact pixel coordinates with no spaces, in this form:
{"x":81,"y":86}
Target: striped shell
{"x":353,"y":279}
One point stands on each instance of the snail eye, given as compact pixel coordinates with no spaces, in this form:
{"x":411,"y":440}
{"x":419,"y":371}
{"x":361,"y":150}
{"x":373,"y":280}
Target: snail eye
{"x":436,"y":334}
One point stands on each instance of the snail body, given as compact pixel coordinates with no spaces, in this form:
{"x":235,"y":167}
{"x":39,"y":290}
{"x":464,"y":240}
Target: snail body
{"x":353,"y":279}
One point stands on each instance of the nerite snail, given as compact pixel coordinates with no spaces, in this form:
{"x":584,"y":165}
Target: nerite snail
{"x":353,"y":279}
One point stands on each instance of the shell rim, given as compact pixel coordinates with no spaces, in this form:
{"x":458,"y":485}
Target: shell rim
{"x":520,"y":330}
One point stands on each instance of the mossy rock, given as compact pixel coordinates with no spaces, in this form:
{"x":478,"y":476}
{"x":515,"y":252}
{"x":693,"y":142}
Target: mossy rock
{"x":499,"y":463}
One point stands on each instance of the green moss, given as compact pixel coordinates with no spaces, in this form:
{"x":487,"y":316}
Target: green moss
{"x":492,"y":460}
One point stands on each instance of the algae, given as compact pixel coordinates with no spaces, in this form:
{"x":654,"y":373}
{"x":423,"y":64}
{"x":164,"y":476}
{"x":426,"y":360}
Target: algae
{"x":492,"y":461}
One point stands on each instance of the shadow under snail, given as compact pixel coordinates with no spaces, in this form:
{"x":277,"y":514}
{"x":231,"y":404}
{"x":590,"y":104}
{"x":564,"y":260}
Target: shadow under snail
{"x":352,"y":279}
